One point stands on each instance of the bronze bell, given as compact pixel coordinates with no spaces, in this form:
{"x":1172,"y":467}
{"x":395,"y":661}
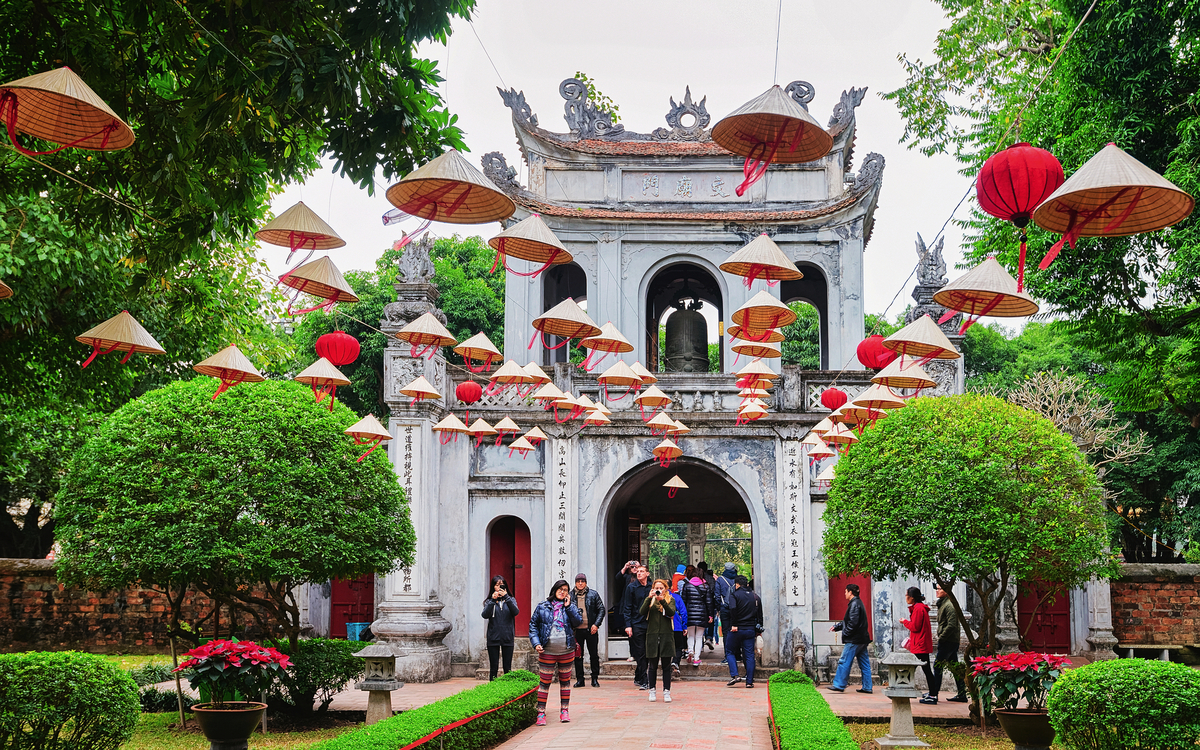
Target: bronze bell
{"x":687,"y":338}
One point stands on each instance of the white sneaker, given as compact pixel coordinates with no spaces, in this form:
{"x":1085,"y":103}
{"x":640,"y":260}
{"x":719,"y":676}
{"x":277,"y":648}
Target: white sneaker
{"x":666,"y":696}
{"x":652,"y":698}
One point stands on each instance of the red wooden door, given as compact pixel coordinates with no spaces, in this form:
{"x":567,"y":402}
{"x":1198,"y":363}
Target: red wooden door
{"x":509,"y":556}
{"x":1044,"y":623}
{"x":351,"y":601}
{"x":837,"y":597}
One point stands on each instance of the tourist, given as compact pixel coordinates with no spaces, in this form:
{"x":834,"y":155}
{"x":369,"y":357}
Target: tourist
{"x":620,"y":583}
{"x":948,"y":636}
{"x":743,"y":612}
{"x":722,"y":589}
{"x":680,"y":626}
{"x":920,"y":639}
{"x":588,"y":633}
{"x":710,"y":632}
{"x":658,"y":610}
{"x":699,"y":609}
{"x":500,"y":610}
{"x":635,"y":623}
{"x":552,"y":635}
{"x":679,"y":576}
{"x":856,"y":636}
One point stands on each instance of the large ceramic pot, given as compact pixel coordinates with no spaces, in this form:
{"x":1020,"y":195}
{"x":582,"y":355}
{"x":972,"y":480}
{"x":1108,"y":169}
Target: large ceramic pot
{"x":230,"y":726}
{"x":1029,"y":729}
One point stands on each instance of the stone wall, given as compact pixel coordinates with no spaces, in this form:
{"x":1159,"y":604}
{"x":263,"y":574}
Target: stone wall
{"x":37,"y":613}
{"x":1157,"y":604}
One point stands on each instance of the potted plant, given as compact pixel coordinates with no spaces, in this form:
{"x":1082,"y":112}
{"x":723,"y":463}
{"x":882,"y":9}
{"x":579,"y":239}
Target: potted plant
{"x":225,"y":669}
{"x":1004,"y":680}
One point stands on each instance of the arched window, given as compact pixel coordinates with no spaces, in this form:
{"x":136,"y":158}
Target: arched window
{"x":813,"y":291}
{"x":558,"y":283}
{"x":690,"y":288}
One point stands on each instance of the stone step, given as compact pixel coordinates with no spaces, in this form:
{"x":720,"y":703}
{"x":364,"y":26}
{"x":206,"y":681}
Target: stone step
{"x":623,"y":670}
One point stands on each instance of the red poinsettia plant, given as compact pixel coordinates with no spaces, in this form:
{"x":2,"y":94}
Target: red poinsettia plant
{"x":1004,"y":680}
{"x":230,"y":667}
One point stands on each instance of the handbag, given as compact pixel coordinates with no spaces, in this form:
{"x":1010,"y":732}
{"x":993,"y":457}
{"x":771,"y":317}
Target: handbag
{"x":905,"y":644}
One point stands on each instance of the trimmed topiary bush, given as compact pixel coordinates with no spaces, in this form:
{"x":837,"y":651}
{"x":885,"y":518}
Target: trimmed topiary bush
{"x":320,"y":668}
{"x":801,"y":718}
{"x":65,"y":700}
{"x":1127,"y":703}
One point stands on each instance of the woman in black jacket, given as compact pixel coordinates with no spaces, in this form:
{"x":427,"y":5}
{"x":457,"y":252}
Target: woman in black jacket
{"x":500,"y":610}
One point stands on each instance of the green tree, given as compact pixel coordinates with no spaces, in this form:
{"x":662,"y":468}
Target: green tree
{"x":801,"y":344}
{"x":242,"y":498}
{"x":967,"y":488}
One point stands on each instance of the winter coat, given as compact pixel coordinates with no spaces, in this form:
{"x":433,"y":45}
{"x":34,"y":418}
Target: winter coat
{"x":854,"y":624}
{"x":542,"y":623}
{"x":921,"y":640}
{"x":593,"y":604}
{"x":681,"y":616}
{"x":743,"y":610}
{"x":660,"y":637}
{"x":631,"y":602}
{"x":696,"y":597}
{"x":500,"y":615}
{"x":948,"y":629}
{"x":722,"y":588}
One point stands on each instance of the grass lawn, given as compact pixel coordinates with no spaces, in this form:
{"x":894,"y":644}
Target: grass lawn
{"x":129,"y":661}
{"x":152,"y":733}
{"x":942,"y":738}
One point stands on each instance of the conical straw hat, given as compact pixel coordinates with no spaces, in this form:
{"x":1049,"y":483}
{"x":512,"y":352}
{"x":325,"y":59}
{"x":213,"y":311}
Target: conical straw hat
{"x":752,"y":410}
{"x":751,"y":349}
{"x":426,"y":331}
{"x":987,"y":289}
{"x":896,"y":376}
{"x":481,"y":427}
{"x":667,"y":447}
{"x":507,"y":425}
{"x":608,"y":340}
{"x":822,"y":427}
{"x":449,"y":189}
{"x":652,"y":396}
{"x":680,"y":429}
{"x":810,"y":439}
{"x":855,"y":414}
{"x":510,"y":372}
{"x":595,"y":417}
{"x":676,"y":482}
{"x":300,"y":224}
{"x":640,"y":370}
{"x":773,"y":118}
{"x":566,"y":319}
{"x":763,"y":259}
{"x":478,"y":347}
{"x":758,"y":368}
{"x":228,"y":361}
{"x":531,"y":240}
{"x":827,"y":474}
{"x":58,"y":106}
{"x":548,"y":392}
{"x":320,"y":278}
{"x":763,"y":311}
{"x":755,"y":381}
{"x":1121,"y":184}
{"x":840,"y":435}
{"x":521,"y":444}
{"x":837,"y":417}
{"x":773,"y":335}
{"x":753,"y":393}
{"x":878,"y":397}
{"x":538,"y":374}
{"x":450,"y":424}
{"x":755,"y":402}
{"x":566,"y":399}
{"x":322,"y":372}
{"x":585,"y":402}
{"x":662,"y":421}
{"x":5,"y":290}
{"x":368,"y":427}
{"x":619,"y":373}
{"x":535,"y":433}
{"x":820,"y":449}
{"x":922,"y":339}
{"x":122,"y":332}
{"x":420,"y":389}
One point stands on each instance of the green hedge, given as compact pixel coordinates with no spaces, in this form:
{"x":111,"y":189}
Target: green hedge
{"x":1127,"y":703}
{"x":802,"y":718}
{"x":65,"y":700}
{"x":484,"y":732}
{"x":320,"y":668}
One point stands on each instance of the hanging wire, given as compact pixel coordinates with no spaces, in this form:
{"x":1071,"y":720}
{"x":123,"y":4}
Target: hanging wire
{"x":778,"y":19}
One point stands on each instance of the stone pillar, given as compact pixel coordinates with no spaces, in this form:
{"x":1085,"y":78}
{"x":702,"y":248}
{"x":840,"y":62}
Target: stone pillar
{"x":409,"y":617}
{"x":696,"y":538}
{"x":1100,"y":622}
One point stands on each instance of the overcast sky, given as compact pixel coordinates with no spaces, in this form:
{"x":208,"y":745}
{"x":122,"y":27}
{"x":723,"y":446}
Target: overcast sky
{"x":642,"y":53}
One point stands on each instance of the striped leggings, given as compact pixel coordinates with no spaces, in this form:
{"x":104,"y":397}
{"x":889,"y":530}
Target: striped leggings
{"x":548,"y":664}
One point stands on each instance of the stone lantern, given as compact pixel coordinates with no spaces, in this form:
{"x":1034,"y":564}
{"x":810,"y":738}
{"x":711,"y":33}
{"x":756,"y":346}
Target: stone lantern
{"x":379,"y":680}
{"x":902,"y":687}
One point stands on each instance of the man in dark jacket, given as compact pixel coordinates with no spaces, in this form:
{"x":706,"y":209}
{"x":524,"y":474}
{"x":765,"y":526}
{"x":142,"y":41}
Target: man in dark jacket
{"x":743,"y":612}
{"x":856,"y":636}
{"x":635,"y":623}
{"x":713,"y":606}
{"x":588,"y":633}
{"x":948,"y":636}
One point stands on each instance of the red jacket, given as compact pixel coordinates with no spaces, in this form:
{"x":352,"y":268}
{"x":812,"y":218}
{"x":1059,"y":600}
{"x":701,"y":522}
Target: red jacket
{"x":921,"y":640}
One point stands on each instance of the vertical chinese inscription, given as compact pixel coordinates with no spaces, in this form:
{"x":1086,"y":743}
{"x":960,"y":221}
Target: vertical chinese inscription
{"x":561,"y":515}
{"x":791,"y":523}
{"x":407,"y":472}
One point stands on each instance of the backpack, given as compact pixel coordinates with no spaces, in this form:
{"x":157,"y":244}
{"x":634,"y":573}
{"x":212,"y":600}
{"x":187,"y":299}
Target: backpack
{"x":723,"y":589}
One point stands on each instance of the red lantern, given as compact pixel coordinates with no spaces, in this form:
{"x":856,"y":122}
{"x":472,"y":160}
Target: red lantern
{"x":873,"y":354}
{"x":834,"y":398}
{"x":339,"y":347}
{"x":468,"y":392}
{"x":1014,"y":182}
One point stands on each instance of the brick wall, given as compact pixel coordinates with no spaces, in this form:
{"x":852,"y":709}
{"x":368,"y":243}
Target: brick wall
{"x":1157,"y":604}
{"x":37,"y":613}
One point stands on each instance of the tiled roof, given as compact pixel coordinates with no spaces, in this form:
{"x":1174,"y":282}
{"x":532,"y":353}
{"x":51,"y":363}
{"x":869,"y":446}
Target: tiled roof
{"x":528,"y":202}
{"x":642,"y":148}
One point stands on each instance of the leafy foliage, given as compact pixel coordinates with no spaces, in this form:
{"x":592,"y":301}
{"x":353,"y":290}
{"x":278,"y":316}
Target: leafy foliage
{"x":967,"y":488}
{"x":149,"y":674}
{"x":226,"y":669}
{"x":802,"y":339}
{"x":597,"y":97}
{"x":1005,"y":680}
{"x":801,"y":718}
{"x":155,"y":701}
{"x":64,"y":700}
{"x":517,"y":689}
{"x":243,"y":498}
{"x":320,"y":668}
{"x":1125,"y":703}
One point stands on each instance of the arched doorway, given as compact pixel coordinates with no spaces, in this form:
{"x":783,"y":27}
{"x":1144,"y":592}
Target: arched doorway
{"x":509,"y":556}
{"x":682,"y":283}
{"x":559,"y":283}
{"x":814,"y":290}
